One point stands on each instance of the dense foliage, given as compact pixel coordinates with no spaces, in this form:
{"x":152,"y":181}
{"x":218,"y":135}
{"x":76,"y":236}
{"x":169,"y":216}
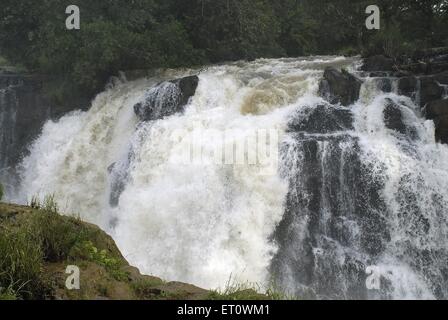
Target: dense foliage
{"x":139,"y":34}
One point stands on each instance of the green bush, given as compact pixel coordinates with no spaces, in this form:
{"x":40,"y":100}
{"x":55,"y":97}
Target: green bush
{"x":44,"y":236}
{"x":86,"y":250}
{"x":57,"y":235}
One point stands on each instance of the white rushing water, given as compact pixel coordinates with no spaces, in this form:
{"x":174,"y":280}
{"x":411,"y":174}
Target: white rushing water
{"x":206,"y":222}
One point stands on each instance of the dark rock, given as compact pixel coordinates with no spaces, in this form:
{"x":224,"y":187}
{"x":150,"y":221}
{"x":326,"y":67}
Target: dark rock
{"x":321,"y":119}
{"x":188,"y":86}
{"x":393,"y":117}
{"x":430,"y":53}
{"x":441,"y":124}
{"x":379,"y":74}
{"x":436,"y":109}
{"x":436,"y":67}
{"x":407,"y":86}
{"x":440,"y":59}
{"x":417,"y":68}
{"x":401,"y":74}
{"x":333,"y":203}
{"x":430,"y":90}
{"x":166,"y":99}
{"x":441,"y":78}
{"x":378,"y":63}
{"x":339,"y":87}
{"x":384,"y":84}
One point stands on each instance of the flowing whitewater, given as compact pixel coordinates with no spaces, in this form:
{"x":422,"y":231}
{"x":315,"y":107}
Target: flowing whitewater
{"x":355,"y":187}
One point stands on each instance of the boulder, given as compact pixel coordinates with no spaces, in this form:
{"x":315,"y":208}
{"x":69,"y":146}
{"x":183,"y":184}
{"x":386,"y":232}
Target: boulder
{"x":407,"y":86}
{"x":436,"y":109}
{"x":384,"y":84}
{"x":430,"y":53}
{"x":427,"y":87}
{"x":393,"y":117}
{"x":339,"y":87}
{"x":430,"y":90}
{"x":441,"y":78}
{"x":378,"y":63}
{"x":321,"y":119}
{"x":166,"y":99}
{"x":441,"y":124}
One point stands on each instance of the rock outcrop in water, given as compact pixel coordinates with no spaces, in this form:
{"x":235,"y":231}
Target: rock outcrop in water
{"x":166,"y":99}
{"x":426,"y":83}
{"x":438,"y":111}
{"x":339,"y":219}
{"x":378,"y":63}
{"x":339,"y":87}
{"x":334,"y":211}
{"x":163,"y":100}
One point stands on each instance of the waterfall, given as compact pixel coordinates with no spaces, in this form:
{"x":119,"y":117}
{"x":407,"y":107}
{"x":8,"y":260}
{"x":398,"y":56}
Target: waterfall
{"x":8,"y":113}
{"x":355,"y":187}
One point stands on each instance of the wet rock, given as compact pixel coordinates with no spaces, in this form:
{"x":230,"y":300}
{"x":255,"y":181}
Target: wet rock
{"x":407,"y":86}
{"x":401,"y":74}
{"x":339,"y":87}
{"x":430,"y":53}
{"x":333,"y":203}
{"x":378,"y":74}
{"x":436,"y":109}
{"x":440,"y":59}
{"x":441,"y":124}
{"x":378,"y":63}
{"x":441,"y":78}
{"x":393,"y":117}
{"x":321,"y":119}
{"x":430,"y":90}
{"x":166,"y":99}
{"x":384,"y":84}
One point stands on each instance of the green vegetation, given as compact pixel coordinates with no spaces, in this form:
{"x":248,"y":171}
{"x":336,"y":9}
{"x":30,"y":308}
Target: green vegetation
{"x":1,"y":192}
{"x":86,"y":249}
{"x":125,"y":35}
{"x":37,"y":244}
{"x":26,"y":245}
{"x":248,"y":291}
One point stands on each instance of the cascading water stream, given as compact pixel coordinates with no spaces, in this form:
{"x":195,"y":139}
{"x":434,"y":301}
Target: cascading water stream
{"x":8,"y":111}
{"x":355,"y":187}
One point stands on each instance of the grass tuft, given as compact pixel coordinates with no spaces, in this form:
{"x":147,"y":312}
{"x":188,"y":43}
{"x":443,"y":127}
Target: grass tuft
{"x":248,"y":291}
{"x":20,"y":266}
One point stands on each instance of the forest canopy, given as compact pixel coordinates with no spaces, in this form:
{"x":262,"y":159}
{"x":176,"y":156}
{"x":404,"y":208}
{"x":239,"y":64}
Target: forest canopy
{"x":142,"y":34}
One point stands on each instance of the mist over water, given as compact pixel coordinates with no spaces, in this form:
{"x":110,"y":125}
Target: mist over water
{"x":349,"y":192}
